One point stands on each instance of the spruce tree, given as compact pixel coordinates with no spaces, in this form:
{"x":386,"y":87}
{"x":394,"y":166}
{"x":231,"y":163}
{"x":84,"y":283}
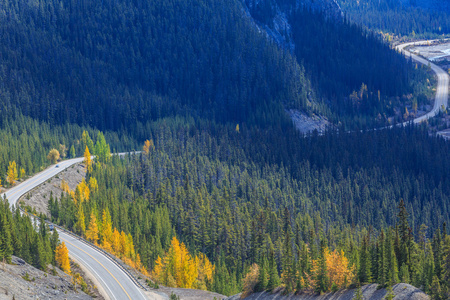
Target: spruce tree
{"x":364,"y":273}
{"x":263,"y":274}
{"x":274,"y":279}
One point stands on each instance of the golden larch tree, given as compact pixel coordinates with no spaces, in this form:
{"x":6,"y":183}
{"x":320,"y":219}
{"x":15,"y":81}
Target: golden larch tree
{"x":82,"y":191}
{"x":148,"y":146}
{"x":179,"y":268}
{"x":12,"y":173}
{"x":81,"y":220}
{"x":62,"y":257}
{"x":87,"y":159}
{"x":92,"y":232}
{"x":116,"y":241}
{"x":107,"y":230}
{"x":93,"y":185}
{"x":338,"y":269}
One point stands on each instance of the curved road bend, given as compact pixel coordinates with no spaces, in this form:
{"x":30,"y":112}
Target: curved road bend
{"x":113,"y":280}
{"x":442,"y":86}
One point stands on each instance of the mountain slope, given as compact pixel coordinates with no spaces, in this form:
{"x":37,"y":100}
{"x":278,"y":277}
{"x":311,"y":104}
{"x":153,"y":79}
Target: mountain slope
{"x":110,"y":64}
{"x":339,"y":59}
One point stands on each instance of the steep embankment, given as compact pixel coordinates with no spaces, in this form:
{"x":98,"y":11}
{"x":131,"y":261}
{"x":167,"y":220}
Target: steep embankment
{"x":401,"y":291}
{"x":22,"y":281}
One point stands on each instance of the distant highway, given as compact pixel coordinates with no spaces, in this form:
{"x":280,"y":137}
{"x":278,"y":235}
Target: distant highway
{"x":441,"y":98}
{"x":113,"y":280}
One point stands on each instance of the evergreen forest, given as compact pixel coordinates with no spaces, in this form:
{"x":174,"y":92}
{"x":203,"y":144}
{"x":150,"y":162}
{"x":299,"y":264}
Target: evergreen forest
{"x":374,"y":202}
{"x":225,"y":194}
{"x":404,"y":18}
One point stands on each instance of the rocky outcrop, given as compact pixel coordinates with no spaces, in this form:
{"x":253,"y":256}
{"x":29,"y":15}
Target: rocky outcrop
{"x":275,"y":22}
{"x":22,"y":281}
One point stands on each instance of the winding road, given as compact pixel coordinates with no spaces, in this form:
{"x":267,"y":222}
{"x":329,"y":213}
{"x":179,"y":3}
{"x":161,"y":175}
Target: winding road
{"x":115,"y":283}
{"x":441,"y":98}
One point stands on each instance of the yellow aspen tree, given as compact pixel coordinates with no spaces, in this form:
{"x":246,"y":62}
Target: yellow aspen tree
{"x":62,"y":257}
{"x":92,"y":232}
{"x":53,"y":156}
{"x":12,"y":173}
{"x":87,"y":159}
{"x":63,"y":150}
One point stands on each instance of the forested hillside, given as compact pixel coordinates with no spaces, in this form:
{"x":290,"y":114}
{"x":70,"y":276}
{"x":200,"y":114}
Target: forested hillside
{"x":339,"y":58}
{"x":112,"y":64}
{"x":376,"y":201}
{"x":224,"y":181}
{"x":406,"y":18}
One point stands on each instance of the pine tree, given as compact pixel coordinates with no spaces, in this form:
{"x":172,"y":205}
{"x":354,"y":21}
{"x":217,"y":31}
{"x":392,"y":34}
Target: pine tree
{"x":391,"y":260}
{"x":320,"y":271}
{"x":263,"y":274}
{"x":358,"y":295}
{"x":446,"y":270}
{"x":364,"y":273}
{"x":102,"y":149}
{"x":274,"y":279}
{"x":6,"y":243}
{"x":87,"y":141}
{"x":72,"y":152}
{"x":389,"y":293}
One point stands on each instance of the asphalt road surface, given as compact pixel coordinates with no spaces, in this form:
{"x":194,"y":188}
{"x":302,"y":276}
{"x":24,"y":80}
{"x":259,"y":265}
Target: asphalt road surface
{"x":115,"y":282}
{"x":442,"y":86}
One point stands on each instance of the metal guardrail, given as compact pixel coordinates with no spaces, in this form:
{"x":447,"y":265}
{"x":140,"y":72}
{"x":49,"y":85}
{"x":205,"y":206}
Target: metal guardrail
{"x":111,"y":257}
{"x":108,"y":255}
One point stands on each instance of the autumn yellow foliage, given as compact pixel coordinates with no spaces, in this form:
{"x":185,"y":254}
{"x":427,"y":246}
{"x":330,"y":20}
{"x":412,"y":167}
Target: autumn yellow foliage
{"x":82,"y":192}
{"x":12,"y":175}
{"x":92,"y":232}
{"x":66,"y":189}
{"x":178,"y":268}
{"x":339,"y":271}
{"x":87,"y":159}
{"x":148,"y":146}
{"x":62,"y":257}
{"x":250,"y":281}
{"x":118,"y":243}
